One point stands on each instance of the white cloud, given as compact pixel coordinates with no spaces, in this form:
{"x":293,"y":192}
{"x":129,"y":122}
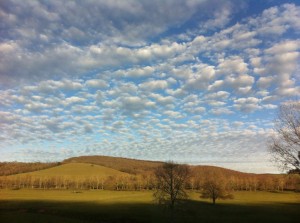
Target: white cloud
{"x":201,"y":78}
{"x":72,"y":100}
{"x":195,"y":110}
{"x":284,"y":47}
{"x":96,"y":83}
{"x":247,"y":105}
{"x":232,"y":65}
{"x":176,"y":92}
{"x":36,"y":106}
{"x":221,"y":18}
{"x":240,"y":82}
{"x":277,"y":20}
{"x":137,"y":72}
{"x":163,"y":100}
{"x":280,"y":63}
{"x":265,"y":82}
{"x":216,"y":85}
{"x":84,"y":109}
{"x":288,"y":91}
{"x":221,"y":111}
{"x":8,"y":47}
{"x":154,"y":85}
{"x":173,"y":114}
{"x":221,"y":95}
{"x":135,"y":104}
{"x":256,"y":61}
{"x":129,"y":75}
{"x":215,"y":103}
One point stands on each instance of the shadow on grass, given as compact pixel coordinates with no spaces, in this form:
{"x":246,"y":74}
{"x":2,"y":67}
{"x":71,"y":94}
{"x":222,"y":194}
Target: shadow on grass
{"x":189,"y":211}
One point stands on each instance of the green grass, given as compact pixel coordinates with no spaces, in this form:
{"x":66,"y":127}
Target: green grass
{"x":77,"y":170}
{"x":117,"y":206}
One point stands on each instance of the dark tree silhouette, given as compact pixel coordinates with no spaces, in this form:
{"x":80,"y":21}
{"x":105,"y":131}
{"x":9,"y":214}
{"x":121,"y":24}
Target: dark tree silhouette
{"x":171,"y":179}
{"x":285,"y":143}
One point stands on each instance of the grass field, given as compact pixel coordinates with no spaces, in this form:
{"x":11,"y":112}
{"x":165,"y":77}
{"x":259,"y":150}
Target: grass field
{"x":115,"y":206}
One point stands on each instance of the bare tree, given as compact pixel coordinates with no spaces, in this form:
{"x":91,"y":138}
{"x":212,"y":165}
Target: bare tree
{"x":214,"y":187}
{"x":285,"y":143}
{"x":171,"y":179}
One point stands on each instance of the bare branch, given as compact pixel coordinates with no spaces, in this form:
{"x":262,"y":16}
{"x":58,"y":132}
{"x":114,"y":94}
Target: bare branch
{"x":285,"y":144}
{"x":171,"y":179}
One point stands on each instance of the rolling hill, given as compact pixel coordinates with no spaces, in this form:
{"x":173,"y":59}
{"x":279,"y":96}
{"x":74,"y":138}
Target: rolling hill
{"x":131,"y":166}
{"x":103,"y":165}
{"x":77,"y":170}
{"x":10,"y":168}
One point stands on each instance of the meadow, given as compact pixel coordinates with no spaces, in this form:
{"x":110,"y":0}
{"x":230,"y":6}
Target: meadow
{"x":33,"y":205}
{"x":97,"y":189}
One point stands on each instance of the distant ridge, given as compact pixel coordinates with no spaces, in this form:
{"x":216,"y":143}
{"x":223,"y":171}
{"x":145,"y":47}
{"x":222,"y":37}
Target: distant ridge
{"x":125,"y":165}
{"x":134,"y":166}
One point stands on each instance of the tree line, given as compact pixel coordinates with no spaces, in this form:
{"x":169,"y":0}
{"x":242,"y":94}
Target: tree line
{"x":243,"y":182}
{"x":10,"y":168}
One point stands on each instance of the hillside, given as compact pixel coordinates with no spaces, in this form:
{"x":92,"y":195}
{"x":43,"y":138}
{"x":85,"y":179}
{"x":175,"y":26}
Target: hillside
{"x":78,"y":166}
{"x":204,"y":170}
{"x":10,"y":168}
{"x":69,"y":175}
{"x":77,"y":170}
{"x":131,"y":166}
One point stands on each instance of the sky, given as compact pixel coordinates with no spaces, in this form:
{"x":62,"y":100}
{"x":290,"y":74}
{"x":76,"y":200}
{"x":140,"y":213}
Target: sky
{"x":192,"y":81}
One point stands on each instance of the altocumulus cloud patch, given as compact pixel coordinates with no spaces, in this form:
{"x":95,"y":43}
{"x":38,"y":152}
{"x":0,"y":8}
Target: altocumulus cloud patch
{"x":190,"y":81}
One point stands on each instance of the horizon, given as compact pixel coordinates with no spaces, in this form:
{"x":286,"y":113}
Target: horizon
{"x":195,"y":82}
{"x":148,"y":160}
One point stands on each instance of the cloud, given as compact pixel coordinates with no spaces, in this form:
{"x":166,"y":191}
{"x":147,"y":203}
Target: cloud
{"x":247,"y":105}
{"x":137,"y":72}
{"x":173,"y":114}
{"x":280,"y":64}
{"x":72,"y":100}
{"x":278,"y":20}
{"x":265,"y":82}
{"x":241,"y":84}
{"x":96,"y":83}
{"x":141,"y":15}
{"x":129,"y":78}
{"x":284,"y":47}
{"x":200,"y":79}
{"x":36,"y":106}
{"x":221,"y":111}
{"x":163,"y":100}
{"x":131,"y":105}
{"x":221,"y":18}
{"x":221,"y":95}
{"x":232,"y":65}
{"x":59,"y":44}
{"x":154,"y":85}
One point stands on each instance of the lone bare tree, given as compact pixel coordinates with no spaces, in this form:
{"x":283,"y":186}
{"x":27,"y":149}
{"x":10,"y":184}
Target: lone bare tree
{"x":214,"y":188}
{"x":171,"y":179}
{"x":285,"y":143}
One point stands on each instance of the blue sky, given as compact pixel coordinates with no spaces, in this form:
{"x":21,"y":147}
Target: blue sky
{"x":193,"y":81}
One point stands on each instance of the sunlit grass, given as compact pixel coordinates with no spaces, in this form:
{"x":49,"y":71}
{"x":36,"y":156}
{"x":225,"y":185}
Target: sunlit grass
{"x":77,"y":170}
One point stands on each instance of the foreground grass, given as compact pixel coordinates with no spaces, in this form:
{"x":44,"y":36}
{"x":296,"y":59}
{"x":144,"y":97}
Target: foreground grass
{"x":114,"y":206}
